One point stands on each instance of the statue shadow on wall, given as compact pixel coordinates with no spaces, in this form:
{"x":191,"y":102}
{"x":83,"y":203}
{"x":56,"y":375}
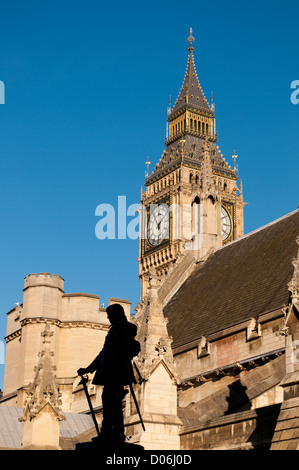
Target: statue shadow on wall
{"x":238,"y":401}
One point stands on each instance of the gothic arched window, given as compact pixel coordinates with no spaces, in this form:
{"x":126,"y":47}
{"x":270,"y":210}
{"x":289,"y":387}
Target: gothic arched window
{"x":195,"y":216}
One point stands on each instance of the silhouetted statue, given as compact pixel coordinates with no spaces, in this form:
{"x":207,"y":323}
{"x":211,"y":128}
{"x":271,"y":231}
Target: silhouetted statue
{"x":114,"y":370}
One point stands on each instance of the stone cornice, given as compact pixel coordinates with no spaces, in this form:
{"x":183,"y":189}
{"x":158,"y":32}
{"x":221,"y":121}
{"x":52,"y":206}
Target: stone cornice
{"x":56,"y":322}
{"x":80,"y":294}
{"x":231,"y":369}
{"x":8,"y":396}
{"x":13,"y":335}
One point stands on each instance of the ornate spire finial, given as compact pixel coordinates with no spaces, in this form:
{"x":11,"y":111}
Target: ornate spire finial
{"x":212,"y":101}
{"x":234,"y":157}
{"x":169,"y":106}
{"x":147,"y":164}
{"x":191,"y":39}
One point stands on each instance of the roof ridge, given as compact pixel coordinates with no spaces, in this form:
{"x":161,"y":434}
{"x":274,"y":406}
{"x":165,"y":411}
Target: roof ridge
{"x":247,"y":235}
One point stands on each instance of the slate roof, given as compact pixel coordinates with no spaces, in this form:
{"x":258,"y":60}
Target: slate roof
{"x":191,"y":93}
{"x":11,"y":430}
{"x":286,"y":435}
{"x":239,"y":281}
{"x":172,"y":158}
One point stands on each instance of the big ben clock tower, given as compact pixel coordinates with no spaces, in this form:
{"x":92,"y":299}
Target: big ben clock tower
{"x":192,"y":201}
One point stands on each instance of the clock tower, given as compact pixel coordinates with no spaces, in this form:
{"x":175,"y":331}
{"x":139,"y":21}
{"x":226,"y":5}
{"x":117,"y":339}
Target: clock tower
{"x":192,"y":201}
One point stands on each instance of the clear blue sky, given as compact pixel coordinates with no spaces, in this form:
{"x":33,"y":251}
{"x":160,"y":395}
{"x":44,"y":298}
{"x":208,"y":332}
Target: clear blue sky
{"x":87,"y":84}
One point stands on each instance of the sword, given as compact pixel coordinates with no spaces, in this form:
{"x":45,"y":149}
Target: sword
{"x":141,"y":379}
{"x":83,"y":382}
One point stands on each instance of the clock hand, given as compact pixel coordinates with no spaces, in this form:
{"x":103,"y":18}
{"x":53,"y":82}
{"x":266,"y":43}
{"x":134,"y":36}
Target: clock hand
{"x":154,"y":229}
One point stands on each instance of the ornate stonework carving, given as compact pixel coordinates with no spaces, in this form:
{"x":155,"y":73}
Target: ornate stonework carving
{"x":207,"y":180}
{"x":44,"y":388}
{"x":284,"y":330}
{"x":203,"y":348}
{"x":293,"y":285}
{"x":152,"y":332}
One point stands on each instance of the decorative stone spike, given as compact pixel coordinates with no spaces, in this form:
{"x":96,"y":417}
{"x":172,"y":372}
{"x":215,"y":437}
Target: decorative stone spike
{"x":42,"y":411}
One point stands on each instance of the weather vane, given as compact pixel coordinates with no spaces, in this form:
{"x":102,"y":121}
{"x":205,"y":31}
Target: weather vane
{"x":191,"y":39}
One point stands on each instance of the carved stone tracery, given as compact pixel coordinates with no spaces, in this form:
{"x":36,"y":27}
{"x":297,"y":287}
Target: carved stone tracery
{"x":44,"y":389}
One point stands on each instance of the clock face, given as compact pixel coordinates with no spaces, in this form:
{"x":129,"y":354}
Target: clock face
{"x":158,"y":225}
{"x":226,"y":224}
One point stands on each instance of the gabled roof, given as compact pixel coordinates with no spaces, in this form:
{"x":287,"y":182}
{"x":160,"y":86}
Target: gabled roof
{"x":239,"y":281}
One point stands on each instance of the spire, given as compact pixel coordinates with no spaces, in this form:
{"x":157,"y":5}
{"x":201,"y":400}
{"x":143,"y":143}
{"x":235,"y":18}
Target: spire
{"x":207,"y":181}
{"x":191,"y":92}
{"x":42,"y":410}
{"x":152,"y":332}
{"x":44,"y":388}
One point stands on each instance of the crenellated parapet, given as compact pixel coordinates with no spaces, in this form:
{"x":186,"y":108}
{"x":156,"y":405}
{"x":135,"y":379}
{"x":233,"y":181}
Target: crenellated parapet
{"x":44,"y":279}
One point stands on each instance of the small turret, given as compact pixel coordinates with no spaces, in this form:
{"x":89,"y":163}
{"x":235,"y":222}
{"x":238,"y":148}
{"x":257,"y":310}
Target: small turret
{"x":44,"y":279}
{"x":42,"y":294}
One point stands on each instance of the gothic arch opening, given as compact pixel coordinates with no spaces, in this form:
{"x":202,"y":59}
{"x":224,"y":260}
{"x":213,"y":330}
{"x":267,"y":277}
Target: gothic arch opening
{"x":195,"y":216}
